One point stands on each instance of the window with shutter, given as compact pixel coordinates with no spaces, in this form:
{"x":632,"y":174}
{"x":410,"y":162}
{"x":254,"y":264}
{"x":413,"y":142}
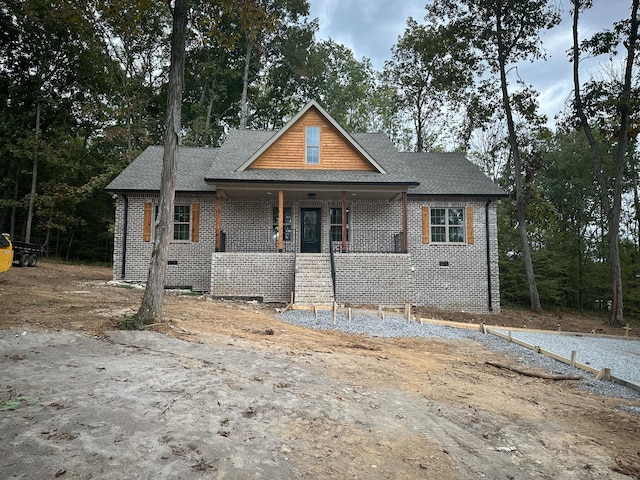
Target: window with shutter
{"x":195,"y":222}
{"x":447,"y":225}
{"x":469,"y":214}
{"x":186,"y":222}
{"x":146,"y":228}
{"x":426,"y":225}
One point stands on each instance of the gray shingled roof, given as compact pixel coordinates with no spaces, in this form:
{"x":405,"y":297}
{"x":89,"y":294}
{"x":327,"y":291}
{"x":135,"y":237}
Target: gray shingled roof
{"x":448,"y":174}
{"x":240,"y":145}
{"x":143,"y":174}
{"x":199,"y":169}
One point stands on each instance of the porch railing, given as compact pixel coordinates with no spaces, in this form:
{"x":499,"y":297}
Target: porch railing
{"x":264,"y":241}
{"x":371,"y":241}
{"x":258,"y":240}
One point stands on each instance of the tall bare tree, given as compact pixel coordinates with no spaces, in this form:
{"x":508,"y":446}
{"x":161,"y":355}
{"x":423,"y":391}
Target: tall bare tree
{"x":209,"y":16}
{"x":151,"y":307}
{"x":611,"y":197}
{"x":501,"y":33}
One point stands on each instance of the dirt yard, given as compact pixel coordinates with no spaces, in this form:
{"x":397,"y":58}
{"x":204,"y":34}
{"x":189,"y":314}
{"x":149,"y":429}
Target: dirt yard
{"x":228,"y":391}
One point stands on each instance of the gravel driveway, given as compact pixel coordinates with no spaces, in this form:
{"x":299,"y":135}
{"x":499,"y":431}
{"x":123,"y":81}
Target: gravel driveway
{"x":622,"y":356}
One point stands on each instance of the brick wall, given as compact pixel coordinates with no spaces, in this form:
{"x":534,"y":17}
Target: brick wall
{"x":463,"y":283}
{"x":193,"y":268}
{"x":266,"y":275}
{"x":373,"y":224}
{"x":247,"y":225}
{"x":373,"y":278}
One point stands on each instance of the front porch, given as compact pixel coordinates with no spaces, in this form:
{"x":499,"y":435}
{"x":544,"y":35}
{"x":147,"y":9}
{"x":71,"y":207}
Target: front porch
{"x":301,"y":220}
{"x":356,"y":278}
{"x":319,"y":245}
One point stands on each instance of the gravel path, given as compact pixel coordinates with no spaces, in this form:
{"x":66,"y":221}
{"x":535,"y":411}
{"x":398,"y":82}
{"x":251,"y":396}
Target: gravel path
{"x":621,"y":356}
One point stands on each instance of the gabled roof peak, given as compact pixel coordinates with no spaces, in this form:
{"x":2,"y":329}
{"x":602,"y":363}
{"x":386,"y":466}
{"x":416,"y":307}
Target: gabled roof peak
{"x":279,"y":133}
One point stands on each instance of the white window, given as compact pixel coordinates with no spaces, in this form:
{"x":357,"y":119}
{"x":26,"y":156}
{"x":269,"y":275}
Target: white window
{"x":312,"y":142}
{"x":181,"y":222}
{"x":447,"y":225}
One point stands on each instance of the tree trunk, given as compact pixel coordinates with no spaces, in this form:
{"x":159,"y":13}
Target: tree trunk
{"x":48,"y":236}
{"x":517,"y":173}
{"x":7,"y":193}
{"x":636,"y":204}
{"x":244,"y":101}
{"x":624,"y":108}
{"x":612,"y":206}
{"x":73,"y":231}
{"x":151,"y":307}
{"x":34,"y":177}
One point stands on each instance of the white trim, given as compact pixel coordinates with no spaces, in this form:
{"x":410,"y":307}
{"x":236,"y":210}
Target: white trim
{"x":446,"y":225}
{"x":156,"y":208}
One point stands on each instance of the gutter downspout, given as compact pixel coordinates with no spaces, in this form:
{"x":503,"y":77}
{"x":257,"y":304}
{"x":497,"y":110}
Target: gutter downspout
{"x":124,"y":236}
{"x":488,"y":240}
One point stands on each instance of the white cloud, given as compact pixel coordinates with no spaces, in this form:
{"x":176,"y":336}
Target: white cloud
{"x":371,"y":27}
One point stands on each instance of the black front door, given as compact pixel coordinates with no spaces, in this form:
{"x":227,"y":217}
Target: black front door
{"x":311,"y":220}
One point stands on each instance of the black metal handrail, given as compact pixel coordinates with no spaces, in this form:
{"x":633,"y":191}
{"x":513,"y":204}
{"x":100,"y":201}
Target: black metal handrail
{"x":360,"y":241}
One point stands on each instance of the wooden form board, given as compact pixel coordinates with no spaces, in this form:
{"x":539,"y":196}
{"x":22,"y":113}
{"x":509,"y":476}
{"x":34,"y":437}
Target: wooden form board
{"x":569,"y":361}
{"x":600,"y":374}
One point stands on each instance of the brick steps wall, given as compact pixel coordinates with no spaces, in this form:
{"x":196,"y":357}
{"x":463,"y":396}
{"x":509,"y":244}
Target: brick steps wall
{"x":313,"y":285}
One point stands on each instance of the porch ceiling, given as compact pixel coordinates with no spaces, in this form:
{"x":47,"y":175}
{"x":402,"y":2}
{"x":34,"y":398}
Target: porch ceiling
{"x":302,"y":193}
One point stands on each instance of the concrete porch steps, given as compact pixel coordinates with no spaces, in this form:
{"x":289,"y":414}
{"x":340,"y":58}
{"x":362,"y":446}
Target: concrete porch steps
{"x":313,"y":285}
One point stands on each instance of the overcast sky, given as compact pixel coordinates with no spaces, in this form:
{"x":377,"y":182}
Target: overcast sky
{"x":371,"y":27}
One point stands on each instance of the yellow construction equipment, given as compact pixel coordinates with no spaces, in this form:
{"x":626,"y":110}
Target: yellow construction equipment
{"x":6,"y":253}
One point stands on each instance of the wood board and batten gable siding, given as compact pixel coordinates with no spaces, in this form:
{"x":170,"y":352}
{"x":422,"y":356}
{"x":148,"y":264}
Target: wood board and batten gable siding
{"x":336,"y":153}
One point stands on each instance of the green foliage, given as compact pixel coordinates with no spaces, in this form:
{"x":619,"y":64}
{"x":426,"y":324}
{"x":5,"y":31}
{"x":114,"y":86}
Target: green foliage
{"x":17,"y":402}
{"x":342,"y":84}
{"x":432,"y":74}
{"x":132,"y":322}
{"x":630,"y":260}
{"x":568,"y":232}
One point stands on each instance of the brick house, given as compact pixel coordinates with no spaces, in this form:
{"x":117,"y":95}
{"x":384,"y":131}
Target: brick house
{"x":315,"y":211}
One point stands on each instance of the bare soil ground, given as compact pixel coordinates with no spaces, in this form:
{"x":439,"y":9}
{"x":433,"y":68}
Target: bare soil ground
{"x":229,"y":391}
